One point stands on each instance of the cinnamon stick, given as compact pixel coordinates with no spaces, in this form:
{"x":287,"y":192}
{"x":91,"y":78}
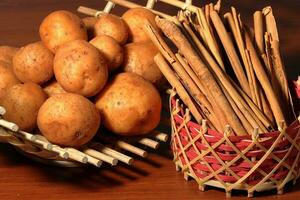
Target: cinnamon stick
{"x":173,"y":80}
{"x":211,"y":86}
{"x":271,"y":22}
{"x":281,"y":77}
{"x":265,"y":83}
{"x":252,"y":114}
{"x":209,"y":37}
{"x":208,"y":109}
{"x":259,"y":31}
{"x":230,"y":50}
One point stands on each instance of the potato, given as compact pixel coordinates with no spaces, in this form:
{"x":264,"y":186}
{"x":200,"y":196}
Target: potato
{"x":139,"y":59}
{"x":7,"y":53}
{"x":89,"y":23}
{"x":60,"y":27}
{"x":110,"y":49}
{"x":113,"y":26}
{"x":80,"y":68}
{"x":52,"y":88}
{"x":136,"y":18}
{"x":22,"y":103}
{"x":129,"y":105}
{"x":7,"y":78}
{"x":33,"y":63}
{"x":68,"y":120}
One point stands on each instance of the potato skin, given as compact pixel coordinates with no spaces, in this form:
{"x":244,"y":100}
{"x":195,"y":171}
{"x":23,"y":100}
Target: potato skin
{"x":110,"y":49}
{"x":68,"y":120}
{"x":22,"y":103}
{"x":89,"y":23}
{"x":113,"y":26}
{"x":7,"y":53}
{"x":33,"y":63}
{"x":60,"y":27}
{"x":52,"y":88}
{"x":80,"y":68}
{"x":7,"y":78}
{"x":139,"y":59}
{"x":129,"y":105}
{"x":136,"y":18}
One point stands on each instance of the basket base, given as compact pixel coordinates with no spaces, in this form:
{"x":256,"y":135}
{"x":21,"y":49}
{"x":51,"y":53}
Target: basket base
{"x":216,"y":184}
{"x":58,"y":163}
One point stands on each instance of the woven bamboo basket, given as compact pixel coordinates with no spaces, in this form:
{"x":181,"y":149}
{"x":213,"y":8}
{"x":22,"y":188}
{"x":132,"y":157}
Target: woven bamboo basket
{"x":253,"y":163}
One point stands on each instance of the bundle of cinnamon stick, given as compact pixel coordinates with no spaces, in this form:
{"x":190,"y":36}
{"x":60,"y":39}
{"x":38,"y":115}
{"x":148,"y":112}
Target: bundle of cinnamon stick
{"x":225,"y":71}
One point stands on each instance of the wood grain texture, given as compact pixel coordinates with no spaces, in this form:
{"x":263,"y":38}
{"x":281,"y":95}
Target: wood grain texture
{"x":152,"y":178}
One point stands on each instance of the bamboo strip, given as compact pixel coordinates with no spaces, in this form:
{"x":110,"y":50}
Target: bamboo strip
{"x":9,"y":125}
{"x":109,"y":6}
{"x":76,"y":155}
{"x":89,"y":11}
{"x":100,"y":156}
{"x":150,"y":4}
{"x":229,"y":48}
{"x":2,"y":111}
{"x":181,"y":4}
{"x":61,"y":152}
{"x":160,"y":136}
{"x":128,"y":147}
{"x":39,"y":140}
{"x":28,"y":136}
{"x":173,"y":32}
{"x":113,"y":153}
{"x":129,"y":4}
{"x":149,"y":143}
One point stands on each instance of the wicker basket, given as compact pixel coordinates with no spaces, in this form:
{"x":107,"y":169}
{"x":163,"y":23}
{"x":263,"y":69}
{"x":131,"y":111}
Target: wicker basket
{"x":258,"y":162}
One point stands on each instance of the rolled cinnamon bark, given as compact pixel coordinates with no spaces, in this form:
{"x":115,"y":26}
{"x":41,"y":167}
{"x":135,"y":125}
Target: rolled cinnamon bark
{"x":264,"y":81}
{"x":230,"y":50}
{"x":251,"y":112}
{"x":173,"y":80}
{"x":206,"y":77}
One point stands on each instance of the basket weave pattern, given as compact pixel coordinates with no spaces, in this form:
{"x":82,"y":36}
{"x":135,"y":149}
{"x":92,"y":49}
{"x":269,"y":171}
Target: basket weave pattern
{"x":253,"y":163}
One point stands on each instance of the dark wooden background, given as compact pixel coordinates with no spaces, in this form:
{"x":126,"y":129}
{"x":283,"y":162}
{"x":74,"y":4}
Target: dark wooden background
{"x":152,"y":178}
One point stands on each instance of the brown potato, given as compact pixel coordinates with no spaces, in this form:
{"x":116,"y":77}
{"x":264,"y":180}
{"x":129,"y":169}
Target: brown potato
{"x":80,"y":68}
{"x":7,"y":53}
{"x":113,"y":26}
{"x":60,"y":27}
{"x":52,"y":88}
{"x":89,"y":23}
{"x":33,"y":63}
{"x":22,"y":103}
{"x":7,"y":78}
{"x":68,"y":120}
{"x":136,"y":18}
{"x":110,"y":49}
{"x":139,"y":59}
{"x":129,"y":105}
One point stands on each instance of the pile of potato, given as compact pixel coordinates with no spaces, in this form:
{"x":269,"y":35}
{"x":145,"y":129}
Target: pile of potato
{"x":84,"y":73}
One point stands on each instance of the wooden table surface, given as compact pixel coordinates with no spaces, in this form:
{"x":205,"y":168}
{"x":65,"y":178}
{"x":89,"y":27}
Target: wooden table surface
{"x":151,"y":178}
